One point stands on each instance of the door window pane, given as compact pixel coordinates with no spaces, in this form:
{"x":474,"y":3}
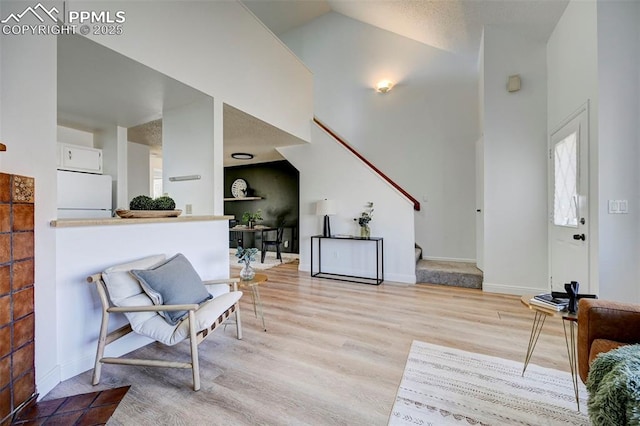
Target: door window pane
{"x":565,"y":197}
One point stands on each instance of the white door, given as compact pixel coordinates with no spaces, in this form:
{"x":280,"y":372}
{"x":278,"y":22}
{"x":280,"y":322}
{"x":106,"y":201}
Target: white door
{"x":569,"y":203}
{"x":480,"y":203}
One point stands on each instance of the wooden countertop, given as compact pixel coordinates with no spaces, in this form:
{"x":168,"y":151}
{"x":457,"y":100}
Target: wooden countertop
{"x":70,"y":223}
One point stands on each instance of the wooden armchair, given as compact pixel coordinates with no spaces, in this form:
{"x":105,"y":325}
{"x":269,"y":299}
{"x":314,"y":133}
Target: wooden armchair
{"x":121,"y":292}
{"x":602,"y":326}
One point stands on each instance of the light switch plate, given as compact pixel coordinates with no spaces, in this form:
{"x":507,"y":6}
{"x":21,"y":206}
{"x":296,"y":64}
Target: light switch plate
{"x":623,"y":206}
{"x":618,"y":207}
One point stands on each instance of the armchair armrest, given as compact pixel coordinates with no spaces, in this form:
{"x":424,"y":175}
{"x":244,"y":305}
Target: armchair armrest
{"x":222,"y":281}
{"x":233,"y":282}
{"x":605,"y":319}
{"x":154,"y":308}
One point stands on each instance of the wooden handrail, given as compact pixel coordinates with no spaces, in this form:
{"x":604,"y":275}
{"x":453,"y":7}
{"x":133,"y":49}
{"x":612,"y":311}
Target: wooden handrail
{"x":2,"y":147}
{"x":416,"y":203}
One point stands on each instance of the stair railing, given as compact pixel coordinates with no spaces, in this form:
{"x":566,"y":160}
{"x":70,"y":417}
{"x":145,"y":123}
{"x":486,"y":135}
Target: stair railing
{"x":416,"y":203}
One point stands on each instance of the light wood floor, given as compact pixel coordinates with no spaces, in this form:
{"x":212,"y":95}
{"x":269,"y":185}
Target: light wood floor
{"x":333,"y":354}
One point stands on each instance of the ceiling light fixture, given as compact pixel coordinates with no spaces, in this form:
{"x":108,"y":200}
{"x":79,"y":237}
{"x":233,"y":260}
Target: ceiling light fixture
{"x":384,"y":86}
{"x":242,"y":156}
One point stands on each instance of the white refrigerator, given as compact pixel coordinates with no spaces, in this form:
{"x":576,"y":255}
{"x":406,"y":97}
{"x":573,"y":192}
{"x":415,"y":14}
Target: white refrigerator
{"x":83,"y":195}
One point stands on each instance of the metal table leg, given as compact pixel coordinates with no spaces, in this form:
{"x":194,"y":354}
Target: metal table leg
{"x":258,"y":302}
{"x":536,"y":328}
{"x":570,"y":340}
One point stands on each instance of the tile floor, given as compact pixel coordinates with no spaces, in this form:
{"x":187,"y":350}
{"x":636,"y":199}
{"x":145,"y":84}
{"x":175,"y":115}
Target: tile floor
{"x":78,"y":410}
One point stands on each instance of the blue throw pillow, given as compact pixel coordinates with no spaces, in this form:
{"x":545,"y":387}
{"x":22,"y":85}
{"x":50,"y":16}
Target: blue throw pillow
{"x":173,"y":282}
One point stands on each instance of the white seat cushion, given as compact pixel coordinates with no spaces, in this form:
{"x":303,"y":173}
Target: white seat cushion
{"x":158,"y":329}
{"x":121,"y":284}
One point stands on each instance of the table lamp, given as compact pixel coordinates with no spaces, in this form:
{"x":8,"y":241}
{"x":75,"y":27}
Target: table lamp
{"x":325,"y":208}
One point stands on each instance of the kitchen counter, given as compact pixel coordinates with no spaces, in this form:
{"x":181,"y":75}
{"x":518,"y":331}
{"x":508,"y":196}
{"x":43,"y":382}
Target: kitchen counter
{"x":69,"y":223}
{"x":88,"y":246}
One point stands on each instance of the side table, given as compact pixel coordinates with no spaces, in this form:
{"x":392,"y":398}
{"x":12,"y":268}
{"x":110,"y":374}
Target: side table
{"x":570,"y":338}
{"x":254,"y":285}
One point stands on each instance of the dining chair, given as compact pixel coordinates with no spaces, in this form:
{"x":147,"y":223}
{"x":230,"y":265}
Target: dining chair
{"x":277,"y":242}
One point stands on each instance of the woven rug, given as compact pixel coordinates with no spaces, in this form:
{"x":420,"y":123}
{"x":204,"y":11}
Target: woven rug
{"x":269,"y":260}
{"x":445,"y":386}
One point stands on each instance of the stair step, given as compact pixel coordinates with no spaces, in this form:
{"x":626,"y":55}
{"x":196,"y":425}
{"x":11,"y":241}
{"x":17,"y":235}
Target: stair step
{"x":418,"y":254}
{"x":456,"y":274}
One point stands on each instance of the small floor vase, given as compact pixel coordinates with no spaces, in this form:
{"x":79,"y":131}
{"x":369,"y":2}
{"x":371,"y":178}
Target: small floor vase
{"x":247,"y":272}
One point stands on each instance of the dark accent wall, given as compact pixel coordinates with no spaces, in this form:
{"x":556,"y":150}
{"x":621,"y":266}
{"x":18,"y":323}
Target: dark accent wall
{"x":278,"y":183}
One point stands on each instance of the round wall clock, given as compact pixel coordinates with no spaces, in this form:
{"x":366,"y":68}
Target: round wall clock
{"x":239,"y":188}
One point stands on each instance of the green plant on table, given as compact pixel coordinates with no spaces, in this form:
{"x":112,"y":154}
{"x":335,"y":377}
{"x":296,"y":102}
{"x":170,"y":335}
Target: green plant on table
{"x":246,"y":256}
{"x":248,"y":217}
{"x":365,"y":216}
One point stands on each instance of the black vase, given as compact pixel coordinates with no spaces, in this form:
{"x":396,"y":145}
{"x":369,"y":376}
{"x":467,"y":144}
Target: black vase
{"x":572,"y":289}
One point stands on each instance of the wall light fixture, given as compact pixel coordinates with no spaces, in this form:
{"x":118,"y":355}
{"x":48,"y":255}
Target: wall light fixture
{"x":384,"y":86}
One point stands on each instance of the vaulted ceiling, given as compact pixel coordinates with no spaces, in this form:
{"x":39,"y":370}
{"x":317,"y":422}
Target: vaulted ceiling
{"x":451,"y":25}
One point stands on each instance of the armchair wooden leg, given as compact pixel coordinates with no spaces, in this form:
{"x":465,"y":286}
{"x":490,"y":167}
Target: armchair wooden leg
{"x":102,"y":342}
{"x":195,"y":364}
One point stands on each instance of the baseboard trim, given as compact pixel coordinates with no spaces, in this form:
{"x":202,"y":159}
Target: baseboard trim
{"x":45,"y":384}
{"x":86,"y":362}
{"x":449,"y":259}
{"x":511,"y":289}
{"x":304,"y":267}
{"x":400,"y":278}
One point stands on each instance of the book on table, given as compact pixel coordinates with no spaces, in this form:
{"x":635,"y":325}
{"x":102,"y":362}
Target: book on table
{"x":546,"y":300}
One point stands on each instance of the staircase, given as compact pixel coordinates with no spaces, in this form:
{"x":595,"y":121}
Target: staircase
{"x":455,"y":274}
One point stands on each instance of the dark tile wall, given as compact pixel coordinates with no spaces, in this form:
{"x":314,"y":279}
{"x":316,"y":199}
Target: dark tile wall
{"x":17,"y":373}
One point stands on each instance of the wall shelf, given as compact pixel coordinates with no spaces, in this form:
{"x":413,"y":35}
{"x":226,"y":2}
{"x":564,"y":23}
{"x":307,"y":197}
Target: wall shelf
{"x":243,"y":199}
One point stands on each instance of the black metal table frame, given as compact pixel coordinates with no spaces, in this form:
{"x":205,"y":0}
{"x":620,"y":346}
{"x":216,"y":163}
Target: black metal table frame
{"x":379,"y":242}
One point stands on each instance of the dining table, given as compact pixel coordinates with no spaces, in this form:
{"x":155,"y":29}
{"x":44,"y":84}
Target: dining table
{"x":242,"y":229}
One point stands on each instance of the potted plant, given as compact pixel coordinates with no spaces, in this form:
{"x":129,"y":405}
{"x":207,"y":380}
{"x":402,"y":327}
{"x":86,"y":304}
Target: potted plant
{"x":251,"y":218}
{"x":364,"y":219}
{"x":246,"y":256}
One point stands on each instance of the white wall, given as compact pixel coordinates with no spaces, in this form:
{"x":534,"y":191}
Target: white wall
{"x":193,"y":123}
{"x":572,"y":67}
{"x":85,"y":251}
{"x":351,"y":185}
{"x":515,"y":163}
{"x":216,"y":47}
{"x":28,"y":87}
{"x":619,"y":177}
{"x":74,"y":136}
{"x":421,"y":134}
{"x":138,"y":170}
{"x":219,"y":48}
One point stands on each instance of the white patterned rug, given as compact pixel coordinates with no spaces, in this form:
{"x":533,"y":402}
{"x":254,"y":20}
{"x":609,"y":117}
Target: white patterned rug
{"x":446,"y":386}
{"x":269,"y":260}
